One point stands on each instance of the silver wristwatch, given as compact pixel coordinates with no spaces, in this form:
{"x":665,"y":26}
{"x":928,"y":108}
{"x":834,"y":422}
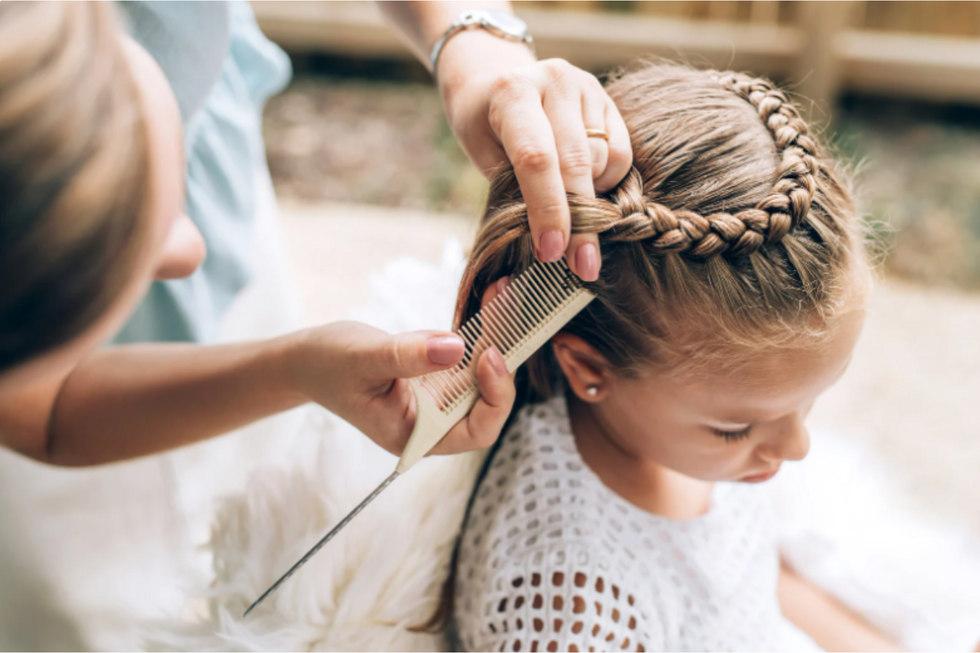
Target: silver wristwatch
{"x":499,"y":23}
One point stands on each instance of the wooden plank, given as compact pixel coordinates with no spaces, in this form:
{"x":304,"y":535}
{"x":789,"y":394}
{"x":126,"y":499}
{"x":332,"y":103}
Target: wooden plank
{"x":602,"y":40}
{"x":591,"y":41}
{"x":818,"y":68}
{"x":904,"y":65}
{"x":675,"y":8}
{"x":764,"y":12}
{"x":723,"y":10}
{"x":352,"y":28}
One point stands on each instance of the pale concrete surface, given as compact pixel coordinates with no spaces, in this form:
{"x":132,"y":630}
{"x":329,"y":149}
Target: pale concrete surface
{"x":334,"y":247}
{"x":912,"y":393}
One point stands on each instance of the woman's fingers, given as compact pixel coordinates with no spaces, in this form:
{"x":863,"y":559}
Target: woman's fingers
{"x":599,"y":150}
{"x":619,"y":150}
{"x":518,"y":119}
{"x":584,"y":257}
{"x":570,"y":112}
{"x":405,"y":355}
{"x":555,"y":100}
{"x":563,"y":104}
{"x":481,"y":427}
{"x":594,"y":102}
{"x":536,"y":116}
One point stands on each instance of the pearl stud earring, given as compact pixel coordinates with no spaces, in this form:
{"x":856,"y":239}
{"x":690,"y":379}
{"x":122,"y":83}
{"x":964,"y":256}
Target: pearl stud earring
{"x":592,"y":390}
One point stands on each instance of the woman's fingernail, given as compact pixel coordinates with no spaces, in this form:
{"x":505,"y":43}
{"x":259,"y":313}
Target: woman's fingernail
{"x":551,"y":246}
{"x":587,"y":262}
{"x":444,"y":350}
{"x":497,"y":362}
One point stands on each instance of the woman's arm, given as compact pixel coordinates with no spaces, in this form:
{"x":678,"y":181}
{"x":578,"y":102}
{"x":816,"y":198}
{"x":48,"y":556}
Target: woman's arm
{"x":830,"y":624}
{"x":421,"y":23}
{"x":129,"y":401}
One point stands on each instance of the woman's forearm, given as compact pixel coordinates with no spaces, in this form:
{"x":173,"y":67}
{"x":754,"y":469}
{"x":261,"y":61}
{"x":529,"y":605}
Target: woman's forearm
{"x":421,"y":23}
{"x":135,"y":400}
{"x":828,"y":622}
{"x":130,"y":401}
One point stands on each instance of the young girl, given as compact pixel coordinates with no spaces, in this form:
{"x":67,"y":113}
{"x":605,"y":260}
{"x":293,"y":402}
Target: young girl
{"x":622,"y":509}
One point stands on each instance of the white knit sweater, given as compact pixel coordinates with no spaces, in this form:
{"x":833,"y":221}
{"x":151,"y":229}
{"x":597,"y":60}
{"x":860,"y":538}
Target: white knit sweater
{"x":552,"y":559}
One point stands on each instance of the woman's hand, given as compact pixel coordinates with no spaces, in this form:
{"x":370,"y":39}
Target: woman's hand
{"x":360,"y":373}
{"x":503,"y":105}
{"x":173,"y":394}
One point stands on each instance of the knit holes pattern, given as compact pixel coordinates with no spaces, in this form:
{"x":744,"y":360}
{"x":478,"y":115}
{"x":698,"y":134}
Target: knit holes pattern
{"x":552,"y":560}
{"x":549,"y":635}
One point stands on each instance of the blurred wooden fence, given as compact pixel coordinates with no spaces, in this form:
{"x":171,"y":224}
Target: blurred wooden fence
{"x":927,"y":50}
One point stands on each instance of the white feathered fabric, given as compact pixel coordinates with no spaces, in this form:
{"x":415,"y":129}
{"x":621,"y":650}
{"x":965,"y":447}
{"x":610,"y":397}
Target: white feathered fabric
{"x":383,"y":574}
{"x":364,"y":591}
{"x":843,"y":527}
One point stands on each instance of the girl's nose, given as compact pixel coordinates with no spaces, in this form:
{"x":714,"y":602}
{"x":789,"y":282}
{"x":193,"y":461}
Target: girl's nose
{"x":790,"y":440}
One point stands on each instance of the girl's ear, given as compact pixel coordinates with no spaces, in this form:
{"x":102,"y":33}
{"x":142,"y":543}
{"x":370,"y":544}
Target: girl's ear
{"x":586,"y":370}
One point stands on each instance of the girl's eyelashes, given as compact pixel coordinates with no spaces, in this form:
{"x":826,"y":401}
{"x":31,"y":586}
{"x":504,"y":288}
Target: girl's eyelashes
{"x":733,"y":436}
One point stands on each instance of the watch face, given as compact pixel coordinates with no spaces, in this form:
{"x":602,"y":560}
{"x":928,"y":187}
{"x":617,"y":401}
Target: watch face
{"x":507,"y":22}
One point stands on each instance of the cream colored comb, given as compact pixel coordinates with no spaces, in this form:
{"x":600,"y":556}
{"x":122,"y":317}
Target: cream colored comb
{"x":534,"y":307}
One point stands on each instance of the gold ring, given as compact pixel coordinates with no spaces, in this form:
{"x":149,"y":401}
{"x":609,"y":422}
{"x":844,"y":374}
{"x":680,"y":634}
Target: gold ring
{"x":597,"y":133}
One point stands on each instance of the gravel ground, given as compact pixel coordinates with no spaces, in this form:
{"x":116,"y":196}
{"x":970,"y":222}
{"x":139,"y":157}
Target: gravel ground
{"x":384,"y":144}
{"x":918,"y":168}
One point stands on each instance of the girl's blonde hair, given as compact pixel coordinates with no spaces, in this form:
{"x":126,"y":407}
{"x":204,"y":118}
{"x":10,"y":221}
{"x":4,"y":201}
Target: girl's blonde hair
{"x":733,"y":232}
{"x":74,"y":173}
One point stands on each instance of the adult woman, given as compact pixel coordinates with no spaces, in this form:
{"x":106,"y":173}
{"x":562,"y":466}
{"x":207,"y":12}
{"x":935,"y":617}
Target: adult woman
{"x":103,"y":192}
{"x":56,"y":399}
{"x":92,"y":205}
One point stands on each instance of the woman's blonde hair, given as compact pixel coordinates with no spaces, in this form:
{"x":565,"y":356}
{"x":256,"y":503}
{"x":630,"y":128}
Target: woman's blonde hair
{"x":74,"y":173}
{"x":733,"y":232}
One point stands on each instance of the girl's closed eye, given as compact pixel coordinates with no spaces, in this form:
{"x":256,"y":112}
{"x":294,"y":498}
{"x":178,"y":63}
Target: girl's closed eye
{"x":732,"y":436}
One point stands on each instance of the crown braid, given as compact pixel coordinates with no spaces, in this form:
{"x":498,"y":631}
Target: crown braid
{"x":700,"y":286}
{"x":739,"y":234}
{"x":629,"y":216}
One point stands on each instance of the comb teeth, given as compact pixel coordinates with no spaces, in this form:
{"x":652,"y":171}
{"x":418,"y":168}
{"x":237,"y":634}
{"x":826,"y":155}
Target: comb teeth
{"x":508,"y":323}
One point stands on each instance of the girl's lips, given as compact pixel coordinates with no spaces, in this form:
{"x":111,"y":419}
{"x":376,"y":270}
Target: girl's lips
{"x":759,"y":478}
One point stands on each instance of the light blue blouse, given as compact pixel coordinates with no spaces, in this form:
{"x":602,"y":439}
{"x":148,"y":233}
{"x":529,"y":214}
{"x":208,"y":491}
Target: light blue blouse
{"x":222,"y":70}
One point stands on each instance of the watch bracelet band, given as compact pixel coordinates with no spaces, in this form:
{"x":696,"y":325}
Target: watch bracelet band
{"x":466,"y":21}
